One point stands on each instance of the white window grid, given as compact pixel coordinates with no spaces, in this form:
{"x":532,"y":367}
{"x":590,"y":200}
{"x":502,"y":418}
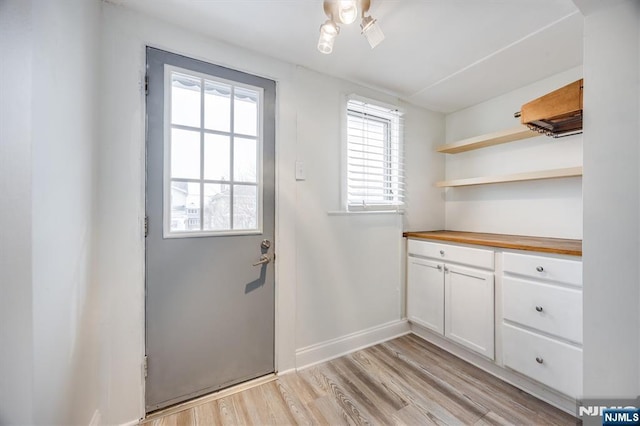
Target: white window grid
{"x":169,"y":70}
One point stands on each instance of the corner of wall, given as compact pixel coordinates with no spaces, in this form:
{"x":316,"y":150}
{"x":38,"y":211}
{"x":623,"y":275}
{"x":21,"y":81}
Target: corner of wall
{"x":16,"y":289}
{"x":612,"y":189}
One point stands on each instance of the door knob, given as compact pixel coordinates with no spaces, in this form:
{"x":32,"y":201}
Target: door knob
{"x":264,"y":259}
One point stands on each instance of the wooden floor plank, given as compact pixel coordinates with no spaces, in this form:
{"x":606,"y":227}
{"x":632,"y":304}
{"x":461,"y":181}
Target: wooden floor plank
{"x":327,"y":409}
{"x":451,"y":399}
{"x":498,"y":396}
{"x":405,"y":381}
{"x":207,"y":414}
{"x":410,"y":388}
{"x":293,"y":403}
{"x":411,"y":415}
{"x":349,"y":404}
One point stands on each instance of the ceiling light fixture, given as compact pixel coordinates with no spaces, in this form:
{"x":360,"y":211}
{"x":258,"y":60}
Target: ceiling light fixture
{"x":371,"y":30}
{"x":328,"y":32}
{"x":346,"y":12}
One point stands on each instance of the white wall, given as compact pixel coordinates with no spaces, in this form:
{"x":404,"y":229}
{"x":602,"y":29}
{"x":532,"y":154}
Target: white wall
{"x":16,"y":332}
{"x":66,"y":301}
{"x":550,"y":208}
{"x":423,"y":132}
{"x":335,"y":274}
{"x":349,"y":267}
{"x":611,"y":200}
{"x":50,"y":304}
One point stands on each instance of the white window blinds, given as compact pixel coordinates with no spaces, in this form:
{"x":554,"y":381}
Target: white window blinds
{"x":375,"y":178}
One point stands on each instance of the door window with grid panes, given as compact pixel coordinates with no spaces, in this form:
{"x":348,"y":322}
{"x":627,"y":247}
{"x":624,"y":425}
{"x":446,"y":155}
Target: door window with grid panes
{"x":213,"y":156}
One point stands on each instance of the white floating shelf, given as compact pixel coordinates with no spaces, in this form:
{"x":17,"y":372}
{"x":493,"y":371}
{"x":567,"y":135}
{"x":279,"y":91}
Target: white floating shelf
{"x":490,"y":139}
{"x":516,"y":177}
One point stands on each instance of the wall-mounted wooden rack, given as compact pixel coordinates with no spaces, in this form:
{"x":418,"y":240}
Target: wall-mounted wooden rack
{"x":516,"y":177}
{"x":490,"y":139}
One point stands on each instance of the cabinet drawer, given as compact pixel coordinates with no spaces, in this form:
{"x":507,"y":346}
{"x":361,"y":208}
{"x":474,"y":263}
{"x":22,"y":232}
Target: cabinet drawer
{"x":449,"y":253}
{"x":546,"y":307}
{"x":553,"y":363}
{"x":548,"y":268}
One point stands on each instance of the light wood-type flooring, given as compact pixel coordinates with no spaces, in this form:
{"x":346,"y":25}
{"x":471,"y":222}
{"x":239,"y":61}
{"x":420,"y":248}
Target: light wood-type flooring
{"x":402,"y":381}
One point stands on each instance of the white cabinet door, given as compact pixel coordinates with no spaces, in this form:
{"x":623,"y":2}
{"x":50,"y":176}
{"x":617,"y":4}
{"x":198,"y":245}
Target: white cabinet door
{"x":469,"y":308}
{"x":425,"y":294}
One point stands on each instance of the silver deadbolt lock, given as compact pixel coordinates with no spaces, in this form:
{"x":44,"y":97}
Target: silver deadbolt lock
{"x":265,"y":244}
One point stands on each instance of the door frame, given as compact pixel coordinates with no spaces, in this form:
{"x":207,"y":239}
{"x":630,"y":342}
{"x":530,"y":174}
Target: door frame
{"x":143,"y":162}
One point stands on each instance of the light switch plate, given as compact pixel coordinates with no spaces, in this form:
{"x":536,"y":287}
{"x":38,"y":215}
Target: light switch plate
{"x":300,"y":172}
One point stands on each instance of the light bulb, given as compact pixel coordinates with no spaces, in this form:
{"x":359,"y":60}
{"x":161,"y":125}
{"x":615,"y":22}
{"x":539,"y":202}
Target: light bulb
{"x":328,"y":32}
{"x":347,"y":11}
{"x":372,"y":31}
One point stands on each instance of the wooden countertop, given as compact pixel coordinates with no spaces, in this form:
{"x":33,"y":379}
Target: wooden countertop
{"x":516,"y":242}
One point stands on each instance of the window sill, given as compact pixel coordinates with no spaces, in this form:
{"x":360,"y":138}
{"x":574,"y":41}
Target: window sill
{"x":363,"y":212}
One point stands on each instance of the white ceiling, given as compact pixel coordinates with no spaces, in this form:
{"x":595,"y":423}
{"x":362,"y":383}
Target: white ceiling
{"x":441,"y":54}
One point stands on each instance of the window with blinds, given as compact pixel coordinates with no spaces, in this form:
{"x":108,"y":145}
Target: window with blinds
{"x":374,"y":164}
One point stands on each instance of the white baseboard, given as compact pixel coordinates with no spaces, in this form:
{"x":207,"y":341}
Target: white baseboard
{"x":541,"y":392}
{"x":288,"y":371}
{"x":334,"y":348}
{"x":131,"y":423}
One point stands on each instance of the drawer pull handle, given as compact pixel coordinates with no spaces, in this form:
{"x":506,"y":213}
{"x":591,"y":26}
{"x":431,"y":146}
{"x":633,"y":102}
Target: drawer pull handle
{"x":539,"y":360}
{"x":539,"y":308}
{"x":439,"y":267}
{"x":441,"y":252}
{"x":539,"y":269}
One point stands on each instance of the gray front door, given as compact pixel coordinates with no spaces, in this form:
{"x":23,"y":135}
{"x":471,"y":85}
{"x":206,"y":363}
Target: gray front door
{"x":210,"y":203}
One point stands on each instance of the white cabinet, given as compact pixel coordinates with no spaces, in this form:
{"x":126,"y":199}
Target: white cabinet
{"x":469,"y":308}
{"x":448,"y":293}
{"x":542,"y":319}
{"x":452,"y":291}
{"x":425,"y":294}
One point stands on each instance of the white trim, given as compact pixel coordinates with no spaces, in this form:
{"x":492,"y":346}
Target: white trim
{"x":334,"y":348}
{"x":539,"y":391}
{"x":344,"y":154}
{"x":197,"y":234}
{"x":361,"y":212}
{"x":393,"y":107}
{"x":285,"y":372}
{"x":131,"y":423}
